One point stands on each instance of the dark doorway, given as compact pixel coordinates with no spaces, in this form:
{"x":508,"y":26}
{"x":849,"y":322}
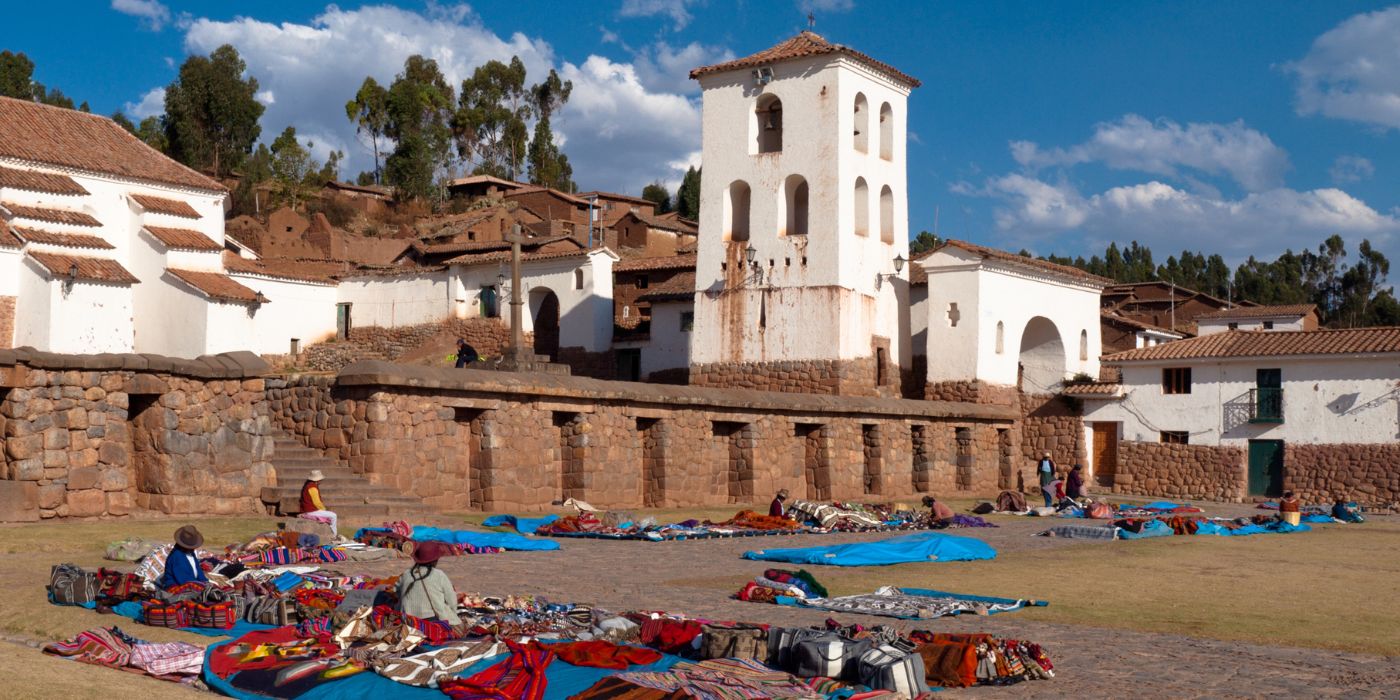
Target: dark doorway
{"x":544,"y":305}
{"x":1266,"y":468}
{"x":629,"y":365}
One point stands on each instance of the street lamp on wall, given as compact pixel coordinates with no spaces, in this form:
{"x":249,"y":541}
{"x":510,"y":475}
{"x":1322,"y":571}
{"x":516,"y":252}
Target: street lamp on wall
{"x":71,"y":278}
{"x":898,"y":267}
{"x":751,"y":257}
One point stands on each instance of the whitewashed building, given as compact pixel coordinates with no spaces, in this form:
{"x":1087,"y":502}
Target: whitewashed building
{"x":1295,"y":317}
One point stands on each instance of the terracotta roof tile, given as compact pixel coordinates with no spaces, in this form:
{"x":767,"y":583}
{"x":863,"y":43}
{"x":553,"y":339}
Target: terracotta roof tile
{"x":1136,"y":324}
{"x":90,"y":269}
{"x":1347,"y":341}
{"x":801,"y":46}
{"x":74,"y":240}
{"x":214,"y":285}
{"x":69,"y":138}
{"x":1261,"y":311}
{"x":296,"y":270}
{"x":56,"y":216}
{"x":8,"y":239}
{"x":663,"y":224}
{"x":34,"y":181}
{"x":1094,"y":389}
{"x":680,"y":287}
{"x":183,"y":238}
{"x":161,"y":205}
{"x":1010,"y":258}
{"x":669,"y":262}
{"x":504,"y":256}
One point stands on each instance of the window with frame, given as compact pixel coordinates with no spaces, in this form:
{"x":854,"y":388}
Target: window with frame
{"x":1233,"y":326}
{"x":1176,"y":380}
{"x":1175,"y":437}
{"x":1268,"y":325}
{"x":687,"y":321}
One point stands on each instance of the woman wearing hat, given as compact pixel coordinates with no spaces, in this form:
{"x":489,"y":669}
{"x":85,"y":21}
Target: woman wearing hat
{"x":424,"y":590}
{"x":776,"y":509}
{"x":181,"y":565}
{"x":311,"y":506}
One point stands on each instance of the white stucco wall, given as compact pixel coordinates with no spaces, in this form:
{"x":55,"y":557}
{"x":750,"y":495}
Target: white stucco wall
{"x":585,"y":315}
{"x":805,"y":277}
{"x":398,"y":300}
{"x":84,"y":318}
{"x":9,"y":272}
{"x":1327,"y":399}
{"x":988,"y":294}
{"x":669,"y":346}
{"x":34,"y":309}
{"x":1206,"y":326}
{"x":302,"y":310}
{"x":233,"y":327}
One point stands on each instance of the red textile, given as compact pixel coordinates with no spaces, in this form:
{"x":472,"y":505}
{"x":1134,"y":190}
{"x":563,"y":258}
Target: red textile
{"x":520,"y":677}
{"x":308,"y":505}
{"x":601,"y":654}
{"x":670,"y":636}
{"x":228,"y":658}
{"x":775,"y":509}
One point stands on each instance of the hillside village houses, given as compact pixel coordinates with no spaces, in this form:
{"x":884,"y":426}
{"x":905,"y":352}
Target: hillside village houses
{"x":796,"y":279}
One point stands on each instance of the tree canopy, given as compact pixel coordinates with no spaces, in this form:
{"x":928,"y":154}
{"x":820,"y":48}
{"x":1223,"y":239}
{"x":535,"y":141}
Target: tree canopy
{"x":419,"y":121}
{"x":370,"y":112}
{"x":657,"y":194}
{"x":211,"y":112}
{"x":688,"y":195}
{"x":17,"y":81}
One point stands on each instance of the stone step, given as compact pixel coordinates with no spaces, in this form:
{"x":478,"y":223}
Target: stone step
{"x":299,"y":472}
{"x":308,"y":462}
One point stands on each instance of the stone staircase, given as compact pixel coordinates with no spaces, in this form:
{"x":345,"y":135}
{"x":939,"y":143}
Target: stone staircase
{"x":354,"y":499}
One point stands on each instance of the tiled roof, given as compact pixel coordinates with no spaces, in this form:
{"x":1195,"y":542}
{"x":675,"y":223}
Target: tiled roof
{"x":531,"y":189}
{"x":801,"y":46}
{"x":57,"y":216}
{"x":1010,"y":258}
{"x":504,"y":256}
{"x":613,"y":195}
{"x":917,"y":276}
{"x":69,"y":138}
{"x":161,"y":205}
{"x":214,"y":285}
{"x":49,"y":183}
{"x":486,"y":246}
{"x":295,"y":270}
{"x":1134,"y":323}
{"x":366,"y":189}
{"x":74,"y":240}
{"x":1095,"y":389}
{"x":90,"y":269}
{"x":663,"y":224}
{"x":680,"y":287}
{"x":480,"y":179}
{"x":1261,"y":311}
{"x":1347,"y":341}
{"x":183,"y":238}
{"x":8,"y":239}
{"x":669,"y":262}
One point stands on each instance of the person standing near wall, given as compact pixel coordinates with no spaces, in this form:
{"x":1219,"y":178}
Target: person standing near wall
{"x":1045,"y":469}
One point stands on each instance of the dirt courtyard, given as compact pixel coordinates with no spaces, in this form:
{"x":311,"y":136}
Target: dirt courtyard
{"x":1305,"y":615}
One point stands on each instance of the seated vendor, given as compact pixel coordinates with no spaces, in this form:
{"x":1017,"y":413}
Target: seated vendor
{"x":939,"y":514}
{"x":311,"y":505}
{"x":424,"y":590}
{"x":1290,"y":508}
{"x":182,"y":564}
{"x":1343,"y":511}
{"x":775,"y":508}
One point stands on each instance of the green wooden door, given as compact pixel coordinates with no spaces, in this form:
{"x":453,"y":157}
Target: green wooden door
{"x":1266,"y":467}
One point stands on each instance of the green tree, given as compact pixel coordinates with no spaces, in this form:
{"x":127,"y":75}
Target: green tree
{"x":291,"y":166}
{"x":923,"y":243}
{"x":657,"y":194}
{"x":688,"y":195}
{"x":492,"y":111}
{"x":547,"y":163}
{"x":211,"y":114}
{"x":420,"y":113}
{"x":152,"y":131}
{"x":257,"y":169}
{"x":125,"y":123}
{"x":370,"y":113}
{"x":17,"y":81}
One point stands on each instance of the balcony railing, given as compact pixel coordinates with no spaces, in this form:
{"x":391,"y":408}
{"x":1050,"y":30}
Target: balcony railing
{"x":1266,"y":405}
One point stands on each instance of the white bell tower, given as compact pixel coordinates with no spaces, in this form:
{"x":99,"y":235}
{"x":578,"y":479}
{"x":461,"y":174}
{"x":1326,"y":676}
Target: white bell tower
{"x":803,"y":223}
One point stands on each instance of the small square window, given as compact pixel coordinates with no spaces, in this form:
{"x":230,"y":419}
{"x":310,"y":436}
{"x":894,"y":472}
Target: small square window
{"x":1268,"y":325}
{"x":1175,"y":437}
{"x":687,"y":321}
{"x":641,"y":282}
{"x":1233,"y":326}
{"x":1176,"y":380}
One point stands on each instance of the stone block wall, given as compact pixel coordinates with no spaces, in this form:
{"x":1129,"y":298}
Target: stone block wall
{"x":406,"y":343}
{"x":1053,"y":424}
{"x":975,"y":391}
{"x":1208,"y":472}
{"x":828,"y":377}
{"x":473,"y":439}
{"x":106,"y":435}
{"x":1365,"y":473}
{"x":7,"y":322}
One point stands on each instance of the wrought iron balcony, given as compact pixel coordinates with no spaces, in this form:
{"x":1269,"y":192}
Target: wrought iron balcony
{"x":1266,"y":405}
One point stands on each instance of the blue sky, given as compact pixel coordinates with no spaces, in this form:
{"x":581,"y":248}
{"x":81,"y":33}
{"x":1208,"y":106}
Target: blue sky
{"x":1240,"y":128}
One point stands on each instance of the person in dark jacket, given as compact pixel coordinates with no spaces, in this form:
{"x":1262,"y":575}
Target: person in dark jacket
{"x":1045,"y":469}
{"x":182,"y":564}
{"x":1074,"y":485}
{"x":775,"y":508}
{"x":466,"y":354}
{"x":1343,"y":511}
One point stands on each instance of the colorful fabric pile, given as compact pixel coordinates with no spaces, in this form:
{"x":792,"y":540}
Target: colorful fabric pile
{"x":918,"y":604}
{"x":1142,"y":528}
{"x":775,"y":583}
{"x":108,"y":646}
{"x":402,"y":536}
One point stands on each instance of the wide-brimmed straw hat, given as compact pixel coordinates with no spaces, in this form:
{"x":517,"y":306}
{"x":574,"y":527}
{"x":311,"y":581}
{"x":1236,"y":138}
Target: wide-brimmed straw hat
{"x":427,"y":553}
{"x":189,"y":537}
{"x":315,"y":475}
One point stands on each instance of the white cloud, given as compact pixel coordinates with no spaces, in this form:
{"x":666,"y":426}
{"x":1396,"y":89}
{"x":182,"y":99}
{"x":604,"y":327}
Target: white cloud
{"x":826,"y":5}
{"x":151,"y":104}
{"x":152,"y":13}
{"x":1353,"y":71}
{"x":1165,"y":147}
{"x":266,"y":97}
{"x":677,"y":10}
{"x":622,"y":131}
{"x":666,"y":68}
{"x":1351,"y":169}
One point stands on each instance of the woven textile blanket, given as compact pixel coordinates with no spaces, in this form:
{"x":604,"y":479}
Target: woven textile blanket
{"x":893,"y":602}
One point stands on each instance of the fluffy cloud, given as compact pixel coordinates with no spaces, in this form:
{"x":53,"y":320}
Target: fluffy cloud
{"x":152,"y":13}
{"x":151,"y":104}
{"x":624,"y":128}
{"x":1167,"y":148}
{"x":1351,"y":169}
{"x":665,"y":68}
{"x":1260,"y":223}
{"x":1353,"y":71}
{"x":677,"y":10}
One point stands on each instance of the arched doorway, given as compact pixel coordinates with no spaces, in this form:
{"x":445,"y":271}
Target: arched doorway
{"x":544,"y":313}
{"x":1042,"y":357}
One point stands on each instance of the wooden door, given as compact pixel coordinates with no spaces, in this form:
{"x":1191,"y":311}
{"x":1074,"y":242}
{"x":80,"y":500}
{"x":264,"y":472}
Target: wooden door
{"x":1266,"y":468}
{"x":1105,"y":453}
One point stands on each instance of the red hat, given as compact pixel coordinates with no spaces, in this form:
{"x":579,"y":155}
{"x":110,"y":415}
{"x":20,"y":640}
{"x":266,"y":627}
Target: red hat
{"x":427,"y":553}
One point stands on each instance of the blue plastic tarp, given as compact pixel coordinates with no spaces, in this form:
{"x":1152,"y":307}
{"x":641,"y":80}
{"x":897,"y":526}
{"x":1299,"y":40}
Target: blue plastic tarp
{"x":503,"y":540}
{"x":1209,"y":528}
{"x":920,"y":547}
{"x":524,"y":526}
{"x":1151,"y":528}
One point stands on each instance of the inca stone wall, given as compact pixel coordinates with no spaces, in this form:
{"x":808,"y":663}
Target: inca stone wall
{"x":463,"y":439}
{"x":107,"y":435}
{"x":830,"y":377}
{"x":1365,"y":473}
{"x":1208,"y":472}
{"x":7,"y":322}
{"x":974,"y":391}
{"x":1051,"y":424}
